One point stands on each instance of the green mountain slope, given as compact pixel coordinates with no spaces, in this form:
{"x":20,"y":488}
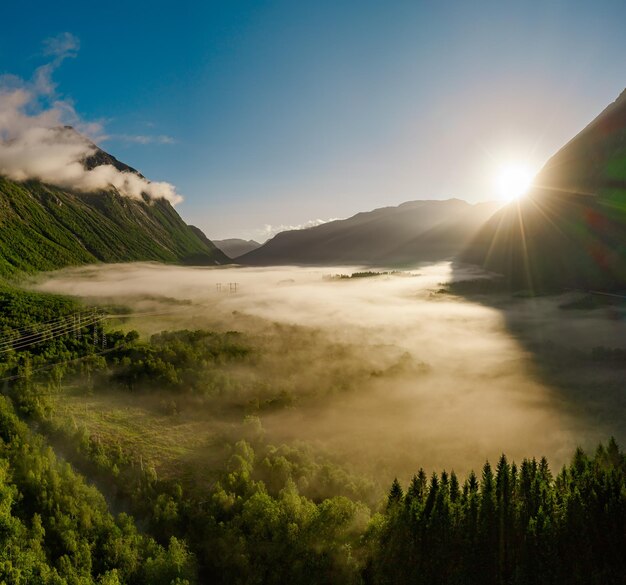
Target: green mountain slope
{"x":44,"y":227}
{"x":570,"y":230}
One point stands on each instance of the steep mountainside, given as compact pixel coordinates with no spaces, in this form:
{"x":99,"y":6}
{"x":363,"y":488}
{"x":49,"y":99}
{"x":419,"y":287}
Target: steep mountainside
{"x":43,"y":227}
{"x":570,"y":230}
{"x":412,"y":232}
{"x":234,"y":247}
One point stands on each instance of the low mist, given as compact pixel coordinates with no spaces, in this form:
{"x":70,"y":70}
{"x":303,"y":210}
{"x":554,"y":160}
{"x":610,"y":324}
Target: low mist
{"x":389,"y":373}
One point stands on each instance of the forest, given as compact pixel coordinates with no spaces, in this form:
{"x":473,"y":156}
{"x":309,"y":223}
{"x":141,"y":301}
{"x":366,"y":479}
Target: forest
{"x":81,"y":507}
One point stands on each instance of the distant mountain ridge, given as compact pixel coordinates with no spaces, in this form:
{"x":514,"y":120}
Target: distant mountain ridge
{"x":569,"y":231}
{"x":414,"y":231}
{"x":235,"y":247}
{"x":43,"y":227}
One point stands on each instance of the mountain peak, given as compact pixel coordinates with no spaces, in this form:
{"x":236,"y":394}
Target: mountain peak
{"x":98,"y":156}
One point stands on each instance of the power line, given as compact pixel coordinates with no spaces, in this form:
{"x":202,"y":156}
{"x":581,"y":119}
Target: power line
{"x":45,"y":332}
{"x":55,"y":324}
{"x":49,"y":366}
{"x":74,"y":323}
{"x":20,"y":344}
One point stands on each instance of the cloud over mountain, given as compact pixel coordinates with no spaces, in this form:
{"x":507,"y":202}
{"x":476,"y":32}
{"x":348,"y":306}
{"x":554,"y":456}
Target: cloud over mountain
{"x":269,"y":231}
{"x":35,"y":145}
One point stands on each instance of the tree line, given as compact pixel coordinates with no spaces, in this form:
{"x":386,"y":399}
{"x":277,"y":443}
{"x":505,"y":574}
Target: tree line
{"x":515,"y":525}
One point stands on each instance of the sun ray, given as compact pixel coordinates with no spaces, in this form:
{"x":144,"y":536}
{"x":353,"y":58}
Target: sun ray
{"x":525,"y":255}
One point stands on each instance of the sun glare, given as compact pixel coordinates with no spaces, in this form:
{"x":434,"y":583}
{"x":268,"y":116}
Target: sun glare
{"x":512,"y":181}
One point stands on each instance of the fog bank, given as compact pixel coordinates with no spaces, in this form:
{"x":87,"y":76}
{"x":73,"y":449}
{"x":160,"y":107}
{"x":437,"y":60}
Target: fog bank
{"x":448,"y":384}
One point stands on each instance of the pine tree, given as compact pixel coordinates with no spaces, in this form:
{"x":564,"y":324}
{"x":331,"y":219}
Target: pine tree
{"x":395,"y":494}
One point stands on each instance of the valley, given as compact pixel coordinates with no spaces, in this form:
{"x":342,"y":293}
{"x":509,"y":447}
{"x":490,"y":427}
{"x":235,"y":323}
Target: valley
{"x":327,"y":294}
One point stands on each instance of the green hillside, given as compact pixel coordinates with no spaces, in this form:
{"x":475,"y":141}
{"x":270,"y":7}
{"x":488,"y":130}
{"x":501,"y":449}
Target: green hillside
{"x":44,"y":227}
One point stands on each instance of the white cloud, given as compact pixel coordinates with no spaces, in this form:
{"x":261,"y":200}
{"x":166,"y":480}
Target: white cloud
{"x":34,"y":144}
{"x":62,"y":45}
{"x":142,"y":138}
{"x":269,"y":231}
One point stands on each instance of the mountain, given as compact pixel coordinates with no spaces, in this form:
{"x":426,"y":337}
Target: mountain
{"x":412,"y":232}
{"x":569,"y":231}
{"x":234,"y":247}
{"x":43,"y":227}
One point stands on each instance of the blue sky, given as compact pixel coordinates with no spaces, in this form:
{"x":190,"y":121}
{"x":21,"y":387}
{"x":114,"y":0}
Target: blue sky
{"x":285,"y":112}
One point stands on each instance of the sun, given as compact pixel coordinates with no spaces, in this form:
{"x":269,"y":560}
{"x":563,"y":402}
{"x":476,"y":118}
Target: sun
{"x":512,"y":181}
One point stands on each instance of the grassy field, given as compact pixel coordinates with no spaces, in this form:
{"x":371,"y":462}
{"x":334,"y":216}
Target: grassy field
{"x":172,"y":444}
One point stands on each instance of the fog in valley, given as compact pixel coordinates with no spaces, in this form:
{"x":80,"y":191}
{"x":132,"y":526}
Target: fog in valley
{"x":384,"y":374}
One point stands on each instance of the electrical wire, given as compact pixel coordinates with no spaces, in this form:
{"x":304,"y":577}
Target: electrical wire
{"x":73,"y":323}
{"x":44,"y":332}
